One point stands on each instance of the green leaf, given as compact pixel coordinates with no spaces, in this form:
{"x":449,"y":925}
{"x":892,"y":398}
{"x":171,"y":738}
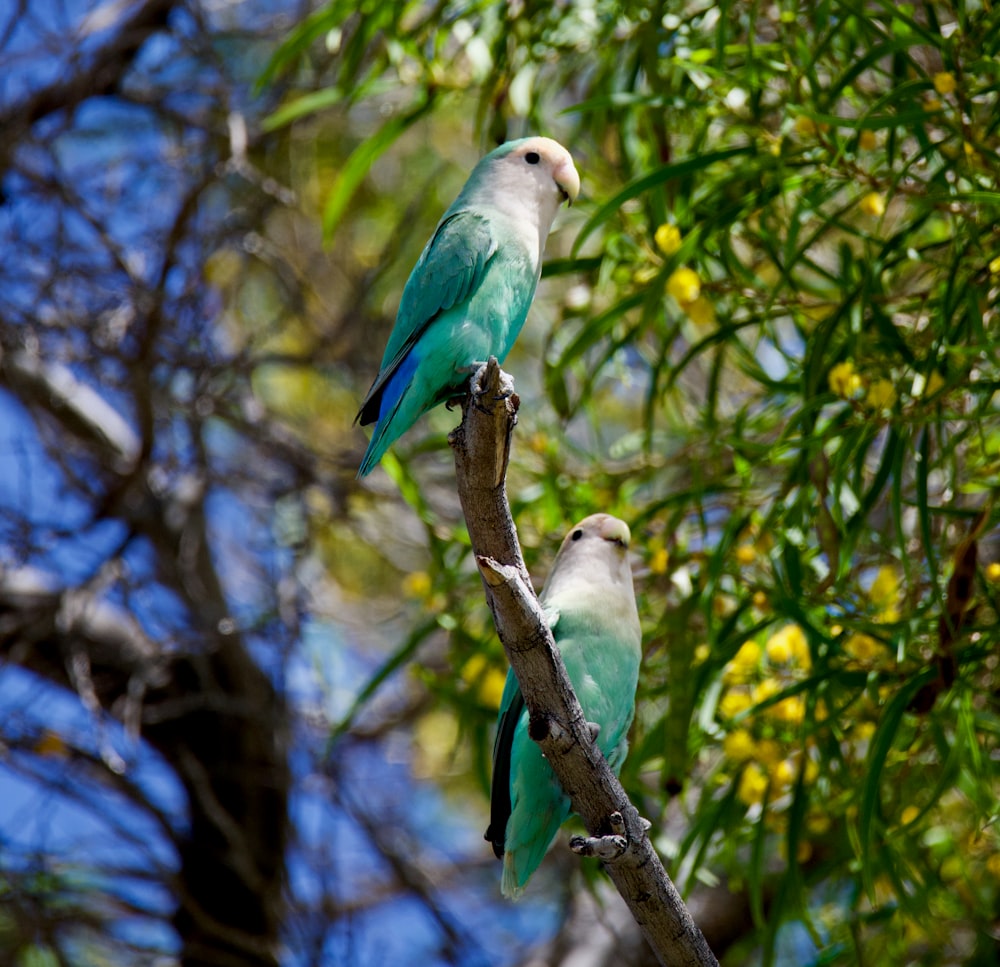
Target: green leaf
{"x":360,"y":161}
{"x":878,"y":752}
{"x":654,"y":179}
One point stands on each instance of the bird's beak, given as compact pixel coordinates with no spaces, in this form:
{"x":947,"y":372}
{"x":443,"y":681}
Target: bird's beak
{"x":568,"y":180}
{"x":616,"y":531}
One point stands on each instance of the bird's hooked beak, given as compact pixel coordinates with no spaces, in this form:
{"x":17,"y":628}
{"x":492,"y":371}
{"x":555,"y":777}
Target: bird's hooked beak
{"x":566,"y":177}
{"x":616,"y":531}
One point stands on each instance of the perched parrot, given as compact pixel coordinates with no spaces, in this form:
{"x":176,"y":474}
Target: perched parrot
{"x":590,"y":605}
{"x":468,"y":295}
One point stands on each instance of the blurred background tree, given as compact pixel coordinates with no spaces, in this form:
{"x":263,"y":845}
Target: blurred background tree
{"x":247,"y":701}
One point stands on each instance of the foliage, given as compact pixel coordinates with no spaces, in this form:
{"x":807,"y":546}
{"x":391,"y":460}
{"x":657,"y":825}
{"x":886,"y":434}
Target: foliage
{"x":771,"y":348}
{"x":766,"y":338}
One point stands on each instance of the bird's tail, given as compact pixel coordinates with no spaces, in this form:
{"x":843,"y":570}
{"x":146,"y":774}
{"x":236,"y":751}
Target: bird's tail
{"x":397,"y":413}
{"x":380,"y":442}
{"x":509,"y":886}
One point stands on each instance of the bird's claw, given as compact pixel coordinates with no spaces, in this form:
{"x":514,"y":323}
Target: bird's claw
{"x":505,"y":390}
{"x":606,"y":848}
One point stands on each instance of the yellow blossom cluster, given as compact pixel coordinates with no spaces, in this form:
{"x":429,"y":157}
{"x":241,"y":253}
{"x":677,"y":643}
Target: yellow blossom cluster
{"x":486,"y":678}
{"x":683,"y":284}
{"x":846,"y":382}
{"x":763,"y":724}
{"x":864,"y":651}
{"x":884,"y":593}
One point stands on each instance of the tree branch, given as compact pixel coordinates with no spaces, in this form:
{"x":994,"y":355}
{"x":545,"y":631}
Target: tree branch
{"x":482,"y":448}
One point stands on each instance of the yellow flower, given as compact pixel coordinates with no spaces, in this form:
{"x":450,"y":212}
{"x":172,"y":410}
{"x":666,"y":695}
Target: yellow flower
{"x":844,"y":381}
{"x":884,"y":592}
{"x":760,"y":600}
{"x":932,"y":104}
{"x":787,"y":645}
{"x":658,"y":562}
{"x":993,"y":571}
{"x":944,"y":82}
{"x":791,"y":710}
{"x":753,"y":785}
{"x":995,"y":266}
{"x":732,"y":703}
{"x":746,"y":554}
{"x":805,"y":127}
{"x":488,"y":680}
{"x":743,"y":664}
{"x":668,"y":239}
{"x":785,"y":772}
{"x":491,"y":688}
{"x":908,"y":815}
{"x":684,"y":285}
{"x":435,"y":737}
{"x":739,"y":746}
{"x":867,"y":140}
{"x":881,"y":395}
{"x":873,"y":204}
{"x":701,"y":653}
{"x":701,"y":312}
{"x":764,"y":690}
{"x":864,"y":649}
{"x":417,"y":584}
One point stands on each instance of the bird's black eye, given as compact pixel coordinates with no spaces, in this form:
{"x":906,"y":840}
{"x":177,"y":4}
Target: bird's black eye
{"x":576,"y":535}
{"x":532,"y":157}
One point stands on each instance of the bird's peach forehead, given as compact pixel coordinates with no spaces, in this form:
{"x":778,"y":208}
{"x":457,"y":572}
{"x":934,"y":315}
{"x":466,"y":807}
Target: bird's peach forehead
{"x":546,"y":147}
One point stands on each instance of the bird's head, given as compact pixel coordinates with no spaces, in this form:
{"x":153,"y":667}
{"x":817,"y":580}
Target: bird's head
{"x":593,"y":557}
{"x":546,"y":163}
{"x":528,"y":179}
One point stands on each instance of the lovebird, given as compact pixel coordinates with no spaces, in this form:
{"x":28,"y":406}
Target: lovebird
{"x":468,"y":295}
{"x":589,"y":602}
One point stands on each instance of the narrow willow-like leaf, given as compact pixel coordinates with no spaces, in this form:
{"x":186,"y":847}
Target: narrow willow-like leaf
{"x":660,"y":176}
{"x":360,"y":161}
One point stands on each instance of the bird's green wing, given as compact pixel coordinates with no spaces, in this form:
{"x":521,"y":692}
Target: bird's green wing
{"x":511,"y":707}
{"x":449,"y":270}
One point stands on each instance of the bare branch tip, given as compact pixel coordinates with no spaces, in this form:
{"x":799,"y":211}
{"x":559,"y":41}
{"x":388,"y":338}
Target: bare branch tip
{"x":494,"y":573}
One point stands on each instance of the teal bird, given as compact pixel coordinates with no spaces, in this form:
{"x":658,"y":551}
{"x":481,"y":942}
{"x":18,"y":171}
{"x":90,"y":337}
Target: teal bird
{"x":469,"y":293}
{"x":590,"y":605}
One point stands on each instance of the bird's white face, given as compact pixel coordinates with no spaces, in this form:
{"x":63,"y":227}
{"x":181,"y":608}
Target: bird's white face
{"x":529,"y":183}
{"x":547,"y":166}
{"x":594,"y":552}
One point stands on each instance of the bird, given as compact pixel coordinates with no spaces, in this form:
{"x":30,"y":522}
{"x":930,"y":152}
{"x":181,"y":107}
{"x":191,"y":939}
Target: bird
{"x":589,"y":603}
{"x":469,"y":293}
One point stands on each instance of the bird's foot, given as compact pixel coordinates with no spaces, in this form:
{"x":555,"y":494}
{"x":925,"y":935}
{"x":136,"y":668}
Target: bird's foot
{"x":481,"y":397}
{"x":608,"y":847}
{"x":594,"y":729}
{"x":603,"y":847}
